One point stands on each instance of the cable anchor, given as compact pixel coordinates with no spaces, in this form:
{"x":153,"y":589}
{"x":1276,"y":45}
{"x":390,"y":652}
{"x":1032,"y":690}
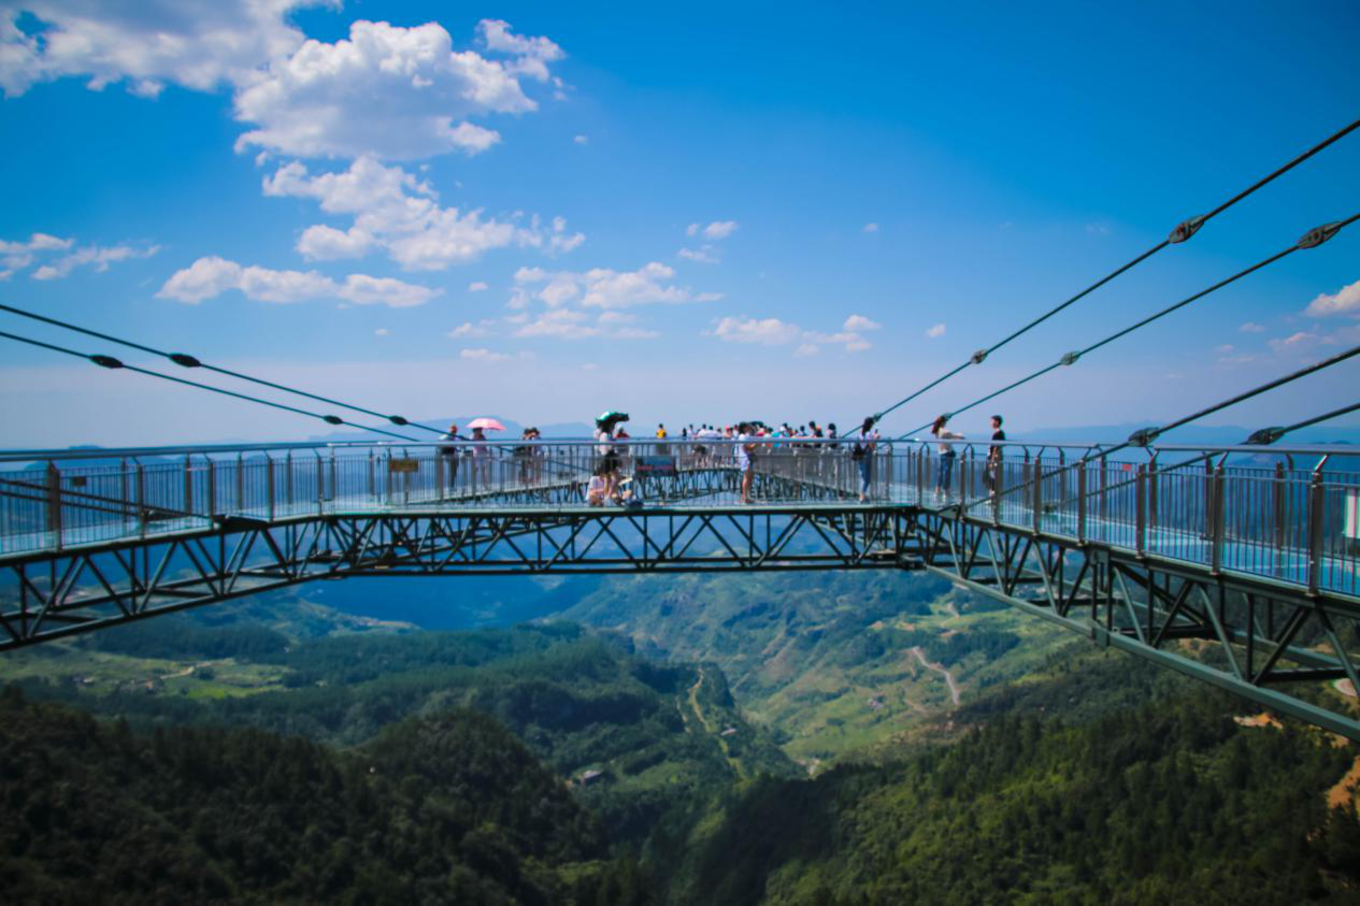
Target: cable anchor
{"x":979,"y":357}
{"x":1265,"y":437}
{"x":1144,"y":436}
{"x":1070,"y":358}
{"x":106,"y":361}
{"x":333,"y":419}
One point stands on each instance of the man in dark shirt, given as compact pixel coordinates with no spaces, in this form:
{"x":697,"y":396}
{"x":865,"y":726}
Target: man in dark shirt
{"x":994,"y":455}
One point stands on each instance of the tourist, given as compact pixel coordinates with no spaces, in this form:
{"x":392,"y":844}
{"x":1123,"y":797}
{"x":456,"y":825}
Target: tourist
{"x":947,"y":455}
{"x":995,"y":455}
{"x":863,"y":454}
{"x":742,"y":453}
{"x":481,"y":459}
{"x":448,"y":455}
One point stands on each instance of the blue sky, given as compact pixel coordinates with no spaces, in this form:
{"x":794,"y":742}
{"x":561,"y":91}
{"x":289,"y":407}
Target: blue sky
{"x":707,"y":212}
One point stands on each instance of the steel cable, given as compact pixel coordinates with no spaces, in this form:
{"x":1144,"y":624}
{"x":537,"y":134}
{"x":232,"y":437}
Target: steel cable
{"x":1182,"y":232}
{"x":188,"y":361}
{"x":1312,"y":239}
{"x":109,"y":362}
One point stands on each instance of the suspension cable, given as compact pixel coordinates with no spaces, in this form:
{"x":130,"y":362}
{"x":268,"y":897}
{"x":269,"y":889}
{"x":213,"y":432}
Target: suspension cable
{"x":188,"y":361}
{"x":1264,"y":437}
{"x":105,"y":361}
{"x":1312,"y":239}
{"x":1182,"y":232}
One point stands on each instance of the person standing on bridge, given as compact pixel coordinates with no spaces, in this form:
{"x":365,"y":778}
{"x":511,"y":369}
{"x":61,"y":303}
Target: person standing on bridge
{"x":742,"y":452}
{"x":448,"y":454}
{"x":992,"y":475}
{"x":947,"y":456}
{"x":863,"y":455}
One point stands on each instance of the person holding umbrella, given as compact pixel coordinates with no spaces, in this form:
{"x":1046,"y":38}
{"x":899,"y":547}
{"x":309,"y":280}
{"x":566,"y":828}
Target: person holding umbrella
{"x":481,"y":453}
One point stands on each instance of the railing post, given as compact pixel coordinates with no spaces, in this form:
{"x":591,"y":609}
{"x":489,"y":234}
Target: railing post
{"x":141,"y":499}
{"x":54,"y":504}
{"x":269,"y":482}
{"x":1140,"y":494}
{"x":212,"y":488}
{"x":1081,"y":502}
{"x":1208,"y":498}
{"x":1153,"y":482}
{"x":1218,"y":508}
{"x":372,"y":479}
{"x":1104,"y":497}
{"x":188,"y":483}
{"x":320,"y":484}
{"x":1278,"y":506}
{"x":1037,"y":501}
{"x":288,"y":479}
{"x":1315,"y":529}
{"x":240,"y":482}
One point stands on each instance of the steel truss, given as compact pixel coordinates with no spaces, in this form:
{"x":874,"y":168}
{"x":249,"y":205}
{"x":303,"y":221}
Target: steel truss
{"x":1252,"y":636}
{"x":58,"y":594}
{"x":1249,"y":635}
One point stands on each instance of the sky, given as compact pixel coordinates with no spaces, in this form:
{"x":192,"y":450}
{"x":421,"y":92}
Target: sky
{"x":691,"y":212}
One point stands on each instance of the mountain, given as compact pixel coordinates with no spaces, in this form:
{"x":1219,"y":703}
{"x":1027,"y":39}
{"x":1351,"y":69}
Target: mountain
{"x":449,"y":808}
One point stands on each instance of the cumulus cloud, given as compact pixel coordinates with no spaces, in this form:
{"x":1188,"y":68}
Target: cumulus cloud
{"x":199,"y":44}
{"x":573,"y":324}
{"x":858,"y":323}
{"x":387,"y":91}
{"x":1345,"y":301}
{"x":212,"y":276}
{"x":1252,"y":327}
{"x":936,"y":330}
{"x":395,"y":211}
{"x":774,"y":332}
{"x":603,"y":288}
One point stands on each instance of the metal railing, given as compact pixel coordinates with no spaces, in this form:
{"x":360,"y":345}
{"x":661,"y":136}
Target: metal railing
{"x":1291,"y":514}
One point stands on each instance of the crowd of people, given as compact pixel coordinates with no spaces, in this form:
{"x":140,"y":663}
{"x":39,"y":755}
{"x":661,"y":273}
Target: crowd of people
{"x":739,"y":445}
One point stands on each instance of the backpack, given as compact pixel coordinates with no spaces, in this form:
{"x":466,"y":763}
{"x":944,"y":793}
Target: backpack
{"x":857,"y":451}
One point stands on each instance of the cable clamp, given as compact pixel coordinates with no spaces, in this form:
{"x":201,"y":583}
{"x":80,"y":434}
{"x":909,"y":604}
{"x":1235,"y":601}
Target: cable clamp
{"x":1318,"y":235}
{"x":333,"y":419}
{"x":397,"y":420}
{"x":1186,"y":229}
{"x":1070,"y":358}
{"x":183,"y":358}
{"x":106,"y":361}
{"x":979,"y":357}
{"x":1144,"y":436}
{"x":1265,"y":437}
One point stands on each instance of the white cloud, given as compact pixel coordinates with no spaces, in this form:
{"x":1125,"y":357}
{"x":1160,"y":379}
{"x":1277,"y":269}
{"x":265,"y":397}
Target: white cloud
{"x":604,"y":288}
{"x":1295,"y":343}
{"x":705,"y":254}
{"x":692,"y":229}
{"x":1252,"y":327}
{"x":483,"y":355}
{"x":570,"y":324}
{"x":581,"y":139}
{"x":199,"y":44}
{"x":98,"y":257}
{"x":212,"y":276}
{"x":765,"y":331}
{"x":468,"y":329}
{"x":935,"y":331}
{"x":478,"y":286}
{"x":387,"y":91}
{"x":858,"y":323}
{"x":395,"y":211}
{"x":382,"y":332}
{"x":774,"y":332}
{"x":15,"y":256}
{"x":720,"y":229}
{"x":871,"y":228}
{"x":390,"y":92}
{"x":1345,"y":301}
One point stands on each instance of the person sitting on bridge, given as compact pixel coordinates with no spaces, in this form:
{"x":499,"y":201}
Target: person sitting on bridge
{"x":947,"y":455}
{"x":597,"y":491}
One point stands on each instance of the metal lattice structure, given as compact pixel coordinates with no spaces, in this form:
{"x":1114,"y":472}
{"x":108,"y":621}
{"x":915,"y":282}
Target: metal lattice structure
{"x":1235,"y":570}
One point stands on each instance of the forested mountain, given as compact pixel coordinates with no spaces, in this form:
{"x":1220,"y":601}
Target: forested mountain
{"x":446,"y":809}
